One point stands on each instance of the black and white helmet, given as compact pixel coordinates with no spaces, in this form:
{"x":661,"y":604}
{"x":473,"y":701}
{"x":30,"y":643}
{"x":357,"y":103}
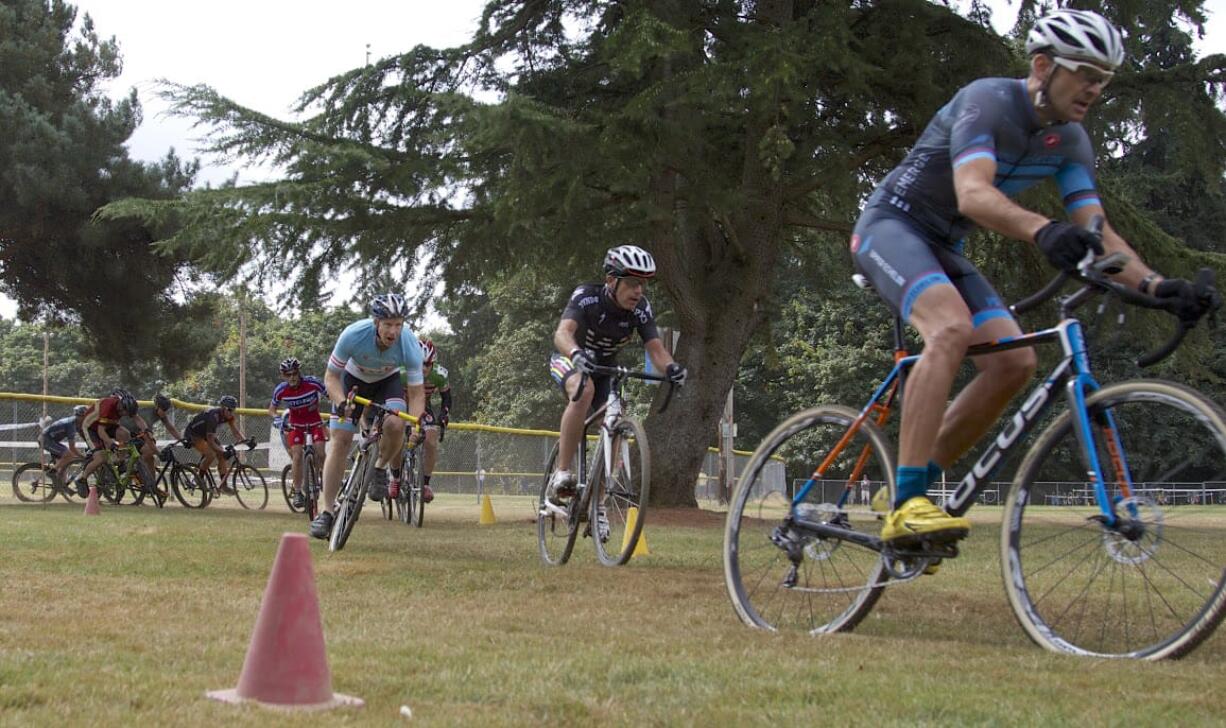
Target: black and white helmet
{"x":227,"y":401}
{"x":80,"y":410}
{"x":1078,"y":34}
{"x":290,"y":365}
{"x":389,"y":306}
{"x":629,"y":260}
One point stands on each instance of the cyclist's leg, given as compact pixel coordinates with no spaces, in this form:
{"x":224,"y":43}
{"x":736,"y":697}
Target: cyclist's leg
{"x":295,"y":464}
{"x":571,"y":428}
{"x":320,"y":433}
{"x":900,"y":260}
{"x":148,"y":452}
{"x":429,"y":458}
{"x":201,"y":446}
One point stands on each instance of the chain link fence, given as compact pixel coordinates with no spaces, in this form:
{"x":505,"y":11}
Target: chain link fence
{"x":472,"y":459}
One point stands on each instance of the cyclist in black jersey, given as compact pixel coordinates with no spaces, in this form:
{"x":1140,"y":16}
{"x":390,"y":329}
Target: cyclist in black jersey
{"x":995,"y":138}
{"x":597,"y":322}
{"x":201,"y":434}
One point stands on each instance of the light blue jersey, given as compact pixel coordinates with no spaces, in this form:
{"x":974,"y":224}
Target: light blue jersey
{"x":357,"y":353}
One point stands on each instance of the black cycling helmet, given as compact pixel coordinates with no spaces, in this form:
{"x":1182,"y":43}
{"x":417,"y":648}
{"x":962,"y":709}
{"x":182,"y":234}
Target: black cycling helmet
{"x":79,"y":410}
{"x":127,"y":403}
{"x":228,"y":401}
{"x":290,"y":365}
{"x":389,"y":306}
{"x":161,"y":401}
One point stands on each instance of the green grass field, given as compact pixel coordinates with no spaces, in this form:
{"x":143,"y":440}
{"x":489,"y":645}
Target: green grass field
{"x":132,"y":616}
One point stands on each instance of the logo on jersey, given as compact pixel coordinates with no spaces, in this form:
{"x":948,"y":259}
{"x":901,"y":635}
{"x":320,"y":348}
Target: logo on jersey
{"x":969,"y":114}
{"x":1051,"y":141}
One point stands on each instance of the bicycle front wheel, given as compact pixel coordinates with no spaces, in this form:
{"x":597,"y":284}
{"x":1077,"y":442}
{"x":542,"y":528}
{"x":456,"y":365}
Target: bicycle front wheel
{"x":781,"y":576}
{"x":1151,"y":585}
{"x":619,"y":503}
{"x":249,"y":487}
{"x":349,"y":504}
{"x":33,"y":484}
{"x":557,"y":525}
{"x":189,"y":486}
{"x":417,"y":505}
{"x":108,"y":484}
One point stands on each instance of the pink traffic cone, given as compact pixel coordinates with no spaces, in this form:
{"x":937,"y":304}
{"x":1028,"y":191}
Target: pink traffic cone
{"x":91,"y":503}
{"x":287,"y":665}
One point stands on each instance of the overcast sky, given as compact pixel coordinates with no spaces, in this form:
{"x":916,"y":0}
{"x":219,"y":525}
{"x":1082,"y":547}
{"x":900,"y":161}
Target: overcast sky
{"x":264,"y":53}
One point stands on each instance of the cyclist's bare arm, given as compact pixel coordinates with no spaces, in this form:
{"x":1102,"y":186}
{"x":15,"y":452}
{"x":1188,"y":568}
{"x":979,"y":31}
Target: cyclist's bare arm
{"x":238,"y":436}
{"x":170,"y":427}
{"x":1136,"y":270}
{"x":660,"y":358}
{"x":564,"y":338}
{"x":91,"y":417}
{"x":416,"y":400}
{"x":979,"y":200}
{"x":335,"y":386}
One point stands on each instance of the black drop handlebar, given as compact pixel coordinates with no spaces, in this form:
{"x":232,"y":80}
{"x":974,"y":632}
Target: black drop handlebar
{"x":1094,"y":276}
{"x":625,"y":373}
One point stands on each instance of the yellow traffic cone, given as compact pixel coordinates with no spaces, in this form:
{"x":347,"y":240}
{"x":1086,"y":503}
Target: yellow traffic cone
{"x":487,"y":511}
{"x":640,"y":548}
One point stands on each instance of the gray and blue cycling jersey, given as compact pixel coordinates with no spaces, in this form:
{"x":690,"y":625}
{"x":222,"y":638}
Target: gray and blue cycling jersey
{"x":62,"y":430}
{"x":357,"y":352}
{"x":992,"y":118}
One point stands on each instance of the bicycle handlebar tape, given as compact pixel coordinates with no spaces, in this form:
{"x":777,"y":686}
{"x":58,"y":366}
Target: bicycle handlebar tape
{"x":286,"y":667}
{"x":91,"y":503}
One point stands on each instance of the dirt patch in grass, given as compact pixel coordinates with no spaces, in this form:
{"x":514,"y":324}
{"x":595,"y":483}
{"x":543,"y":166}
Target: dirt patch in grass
{"x":686,"y":517}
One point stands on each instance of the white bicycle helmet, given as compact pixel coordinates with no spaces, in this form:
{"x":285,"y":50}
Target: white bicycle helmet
{"x":629,"y":260}
{"x":1077,"y":34}
{"x":389,"y":306}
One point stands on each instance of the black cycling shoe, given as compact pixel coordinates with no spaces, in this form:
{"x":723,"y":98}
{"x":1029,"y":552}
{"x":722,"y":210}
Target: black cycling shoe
{"x":82,"y":488}
{"x":376,"y":490}
{"x":298,"y":500}
{"x":321,"y":527}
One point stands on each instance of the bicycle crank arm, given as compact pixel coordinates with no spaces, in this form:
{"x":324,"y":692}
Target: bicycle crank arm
{"x":828,"y":530}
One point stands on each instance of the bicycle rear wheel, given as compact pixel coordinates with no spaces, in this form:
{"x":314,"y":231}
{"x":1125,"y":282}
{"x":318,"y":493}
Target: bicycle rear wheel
{"x":557,"y":526}
{"x":781,"y":576}
{"x":311,"y":486}
{"x":249,"y":487}
{"x":189,"y":486}
{"x":1151,"y":587}
{"x":623,"y":497}
{"x":33,"y":484}
{"x":349,"y":504}
{"x":108,"y":484}
{"x":68,"y":488}
{"x":156,"y":488}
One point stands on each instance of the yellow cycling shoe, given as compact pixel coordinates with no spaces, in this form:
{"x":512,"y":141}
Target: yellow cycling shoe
{"x":881,"y":501}
{"x":919,"y":520}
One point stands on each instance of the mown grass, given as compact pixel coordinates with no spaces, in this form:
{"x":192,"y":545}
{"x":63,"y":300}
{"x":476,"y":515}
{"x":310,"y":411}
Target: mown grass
{"x":130,"y":617}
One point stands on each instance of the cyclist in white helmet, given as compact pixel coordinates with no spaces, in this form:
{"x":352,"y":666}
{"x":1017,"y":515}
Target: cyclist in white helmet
{"x":598,"y":321}
{"x":995,"y":138}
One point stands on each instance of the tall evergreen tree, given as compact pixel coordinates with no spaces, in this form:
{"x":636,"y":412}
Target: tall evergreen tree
{"x":61,"y":158}
{"x":718,"y":134}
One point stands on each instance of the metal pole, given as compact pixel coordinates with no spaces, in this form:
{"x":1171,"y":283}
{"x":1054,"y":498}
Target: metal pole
{"x":46,"y":362}
{"x":242,"y":360}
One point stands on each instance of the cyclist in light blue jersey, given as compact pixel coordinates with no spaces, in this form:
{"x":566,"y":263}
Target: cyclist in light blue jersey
{"x":368,"y":358}
{"x":995,"y":138}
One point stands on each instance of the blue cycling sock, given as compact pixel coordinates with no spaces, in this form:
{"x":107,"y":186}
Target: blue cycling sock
{"x":911,"y":482}
{"x":934,"y":472}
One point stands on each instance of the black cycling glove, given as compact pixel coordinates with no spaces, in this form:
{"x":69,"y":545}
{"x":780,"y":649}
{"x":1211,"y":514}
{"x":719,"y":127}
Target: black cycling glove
{"x":584,"y":360}
{"x":1065,"y":244}
{"x":1193,"y":300}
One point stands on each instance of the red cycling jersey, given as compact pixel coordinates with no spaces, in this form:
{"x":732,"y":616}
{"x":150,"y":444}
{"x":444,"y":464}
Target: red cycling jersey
{"x":301,"y":401}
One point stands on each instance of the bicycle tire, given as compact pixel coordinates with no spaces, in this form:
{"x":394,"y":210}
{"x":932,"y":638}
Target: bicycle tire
{"x":32,"y":483}
{"x":109,"y":484}
{"x":627,"y":491}
{"x":287,"y":488}
{"x":1165,"y":571}
{"x":349,"y":503}
{"x":310,"y":486}
{"x":417,"y":504}
{"x":249,"y":486}
{"x":555,"y":531}
{"x":405,"y":499}
{"x":836,"y":583}
{"x":150,"y":483}
{"x":72,"y":470}
{"x":188,"y":486}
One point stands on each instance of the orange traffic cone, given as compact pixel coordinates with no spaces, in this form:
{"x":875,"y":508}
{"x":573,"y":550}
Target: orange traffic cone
{"x":286,"y":665}
{"x":91,"y":503}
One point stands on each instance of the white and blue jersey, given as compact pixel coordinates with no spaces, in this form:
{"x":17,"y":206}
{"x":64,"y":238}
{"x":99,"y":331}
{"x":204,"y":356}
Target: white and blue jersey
{"x":358,"y":353}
